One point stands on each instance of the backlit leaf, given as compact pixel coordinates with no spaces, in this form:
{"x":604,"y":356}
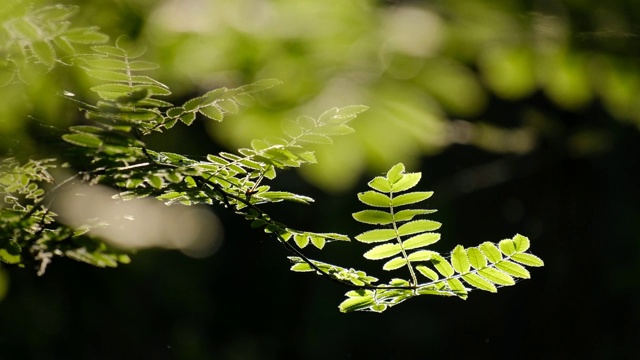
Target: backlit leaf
{"x":383,"y":251}
{"x":479,"y":282}
{"x":459,"y":260}
{"x":521,"y":243}
{"x":513,"y":269}
{"x":381,"y":184}
{"x":373,"y":198}
{"x":407,"y":181}
{"x":507,"y":246}
{"x":417,"y":226}
{"x":496,"y":276}
{"x":421,"y":255}
{"x":394,"y":263}
{"x":442,"y":265}
{"x":427,"y":272}
{"x":491,"y":252}
{"x":457,"y":287}
{"x":411,"y":198}
{"x":406,"y":215}
{"x":373,"y":217}
{"x":421,"y":240}
{"x":527,"y":259}
{"x":377,"y":235}
{"x":356,"y":303}
{"x":394,"y":174}
{"x":476,"y":259}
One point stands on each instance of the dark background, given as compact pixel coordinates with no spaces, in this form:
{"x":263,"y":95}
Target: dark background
{"x":575,"y":193}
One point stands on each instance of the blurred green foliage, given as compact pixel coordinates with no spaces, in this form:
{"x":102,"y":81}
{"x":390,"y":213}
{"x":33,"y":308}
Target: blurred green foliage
{"x":417,"y":64}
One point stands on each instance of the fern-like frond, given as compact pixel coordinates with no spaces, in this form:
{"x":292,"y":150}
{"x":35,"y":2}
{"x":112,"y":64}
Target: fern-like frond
{"x":401,"y":238}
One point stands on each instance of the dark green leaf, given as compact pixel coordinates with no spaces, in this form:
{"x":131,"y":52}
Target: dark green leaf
{"x":83,"y":139}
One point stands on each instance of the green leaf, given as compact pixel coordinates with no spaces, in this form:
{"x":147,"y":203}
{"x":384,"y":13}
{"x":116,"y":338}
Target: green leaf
{"x":427,"y":272}
{"x":356,"y":303}
{"x":284,"y":195}
{"x":302,"y":267}
{"x":496,"y":276}
{"x":507,"y":246}
{"x":381,"y":184}
{"x":44,"y":52}
{"x":527,"y":259}
{"x":259,"y":85}
{"x":228,"y":106}
{"x":383,"y":251}
{"x":315,"y":139}
{"x":395,"y":173}
{"x":407,"y":182}
{"x":394,"y":263}
{"x":318,"y":241}
{"x":420,"y":240}
{"x":411,"y":198}
{"x":377,"y":235}
{"x":442,"y":265}
{"x":491,"y":252}
{"x":421,"y":255}
{"x":301,"y":240}
{"x":187,"y":118}
{"x":459,"y":260}
{"x":119,"y":89}
{"x":373,"y":198}
{"x":521,"y":243}
{"x":479,"y":282}
{"x":109,"y":50}
{"x":373,"y":217}
{"x":457,"y":288}
{"x":155,"y":181}
{"x":406,"y":215}
{"x":476,"y":259}
{"x":417,"y":226}
{"x":85,"y":35}
{"x":335,"y":116}
{"x":514,"y":269}
{"x":83,"y":139}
